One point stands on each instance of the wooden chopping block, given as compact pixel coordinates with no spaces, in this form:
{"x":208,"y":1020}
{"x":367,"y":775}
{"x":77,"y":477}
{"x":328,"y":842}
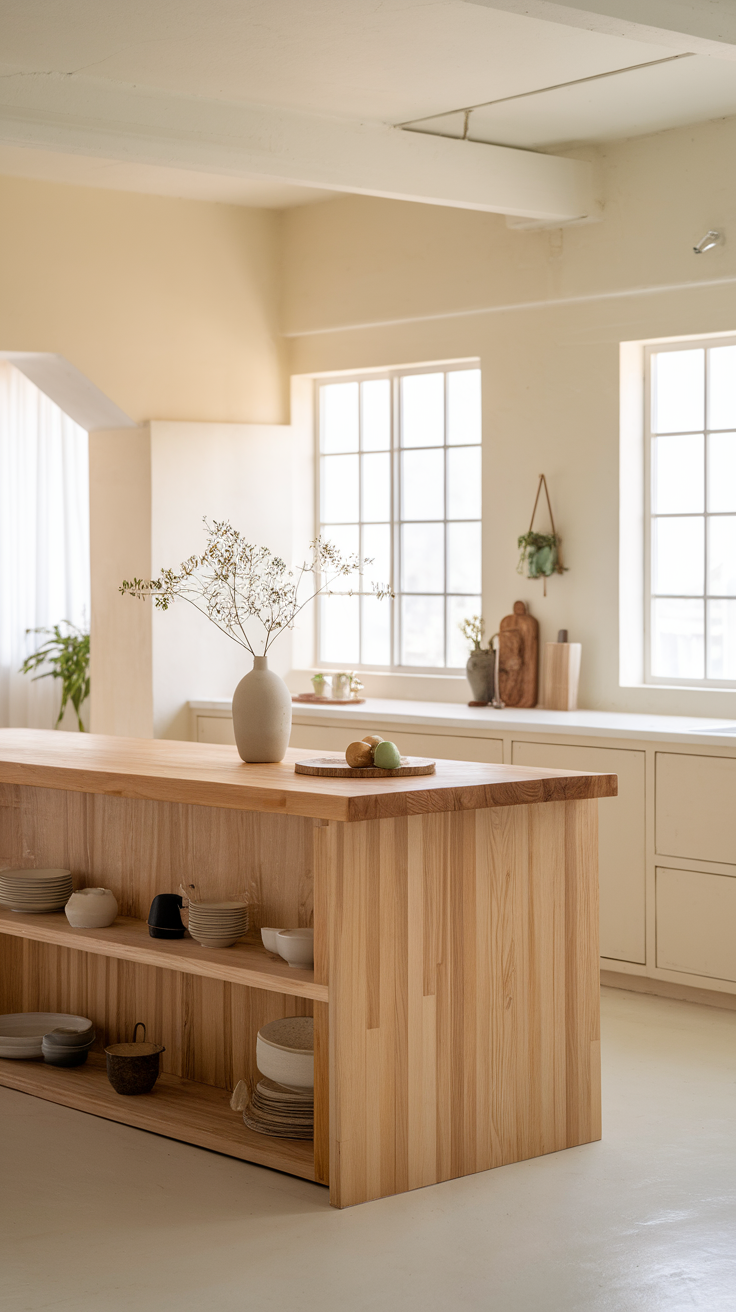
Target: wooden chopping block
{"x":518,"y":657}
{"x":561,"y":676}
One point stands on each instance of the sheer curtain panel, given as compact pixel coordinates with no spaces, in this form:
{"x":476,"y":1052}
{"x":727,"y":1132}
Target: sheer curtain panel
{"x":44,"y":540}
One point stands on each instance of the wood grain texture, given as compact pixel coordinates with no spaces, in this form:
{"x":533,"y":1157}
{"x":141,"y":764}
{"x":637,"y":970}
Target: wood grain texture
{"x":213,"y":776}
{"x":335,"y":767}
{"x":561,"y":676}
{"x":518,"y":657}
{"x":208,"y":1027}
{"x":129,"y":939}
{"x":463,"y":994}
{"x":139,"y":848}
{"x":205,"y":1006}
{"x":177,"y":1109}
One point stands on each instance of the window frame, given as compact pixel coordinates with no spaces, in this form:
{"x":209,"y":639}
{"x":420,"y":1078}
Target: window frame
{"x":394,"y":376}
{"x":660,"y":348}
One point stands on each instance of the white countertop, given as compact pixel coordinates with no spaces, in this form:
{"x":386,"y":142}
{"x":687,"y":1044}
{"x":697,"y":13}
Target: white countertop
{"x":484,"y":720}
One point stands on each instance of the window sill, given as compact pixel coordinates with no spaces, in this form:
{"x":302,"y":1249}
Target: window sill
{"x":430,"y":687}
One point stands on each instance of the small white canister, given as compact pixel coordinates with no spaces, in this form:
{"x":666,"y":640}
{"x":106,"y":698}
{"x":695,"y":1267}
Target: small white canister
{"x":91,"y":908}
{"x":342,"y":686}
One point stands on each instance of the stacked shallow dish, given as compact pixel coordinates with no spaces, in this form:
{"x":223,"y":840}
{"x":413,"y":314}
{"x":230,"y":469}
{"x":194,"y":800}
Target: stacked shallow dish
{"x":283,"y":1103}
{"x":26,"y":1036}
{"x":35,"y":890}
{"x":217,"y":924}
{"x":281,"y":1112}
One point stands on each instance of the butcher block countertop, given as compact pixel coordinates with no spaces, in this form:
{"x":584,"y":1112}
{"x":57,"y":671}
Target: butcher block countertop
{"x":209,"y":775}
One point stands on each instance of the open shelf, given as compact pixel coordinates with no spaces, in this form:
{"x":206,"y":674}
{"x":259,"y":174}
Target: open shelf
{"x":178,"y":1109}
{"x":128,"y":939}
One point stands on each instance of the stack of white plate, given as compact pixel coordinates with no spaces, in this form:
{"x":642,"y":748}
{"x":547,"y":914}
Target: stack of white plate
{"x":283,"y":1113}
{"x":35,"y":890}
{"x":217,"y":924}
{"x":22,"y":1033}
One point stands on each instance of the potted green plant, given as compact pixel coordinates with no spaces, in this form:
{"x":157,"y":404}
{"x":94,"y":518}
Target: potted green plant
{"x":67,"y":656}
{"x":239,"y":587}
{"x":481,"y":661}
{"x":540,"y":552}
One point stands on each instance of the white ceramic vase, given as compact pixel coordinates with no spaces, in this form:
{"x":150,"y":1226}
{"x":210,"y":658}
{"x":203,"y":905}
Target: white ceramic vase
{"x":91,"y":908}
{"x":262,"y":714}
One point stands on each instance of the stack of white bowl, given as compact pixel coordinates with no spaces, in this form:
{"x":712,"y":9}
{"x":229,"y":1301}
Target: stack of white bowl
{"x":283,"y":1103}
{"x":24,"y":1036}
{"x":295,"y":945}
{"x":217,"y":924}
{"x":35,"y":890}
{"x":66,"y":1046}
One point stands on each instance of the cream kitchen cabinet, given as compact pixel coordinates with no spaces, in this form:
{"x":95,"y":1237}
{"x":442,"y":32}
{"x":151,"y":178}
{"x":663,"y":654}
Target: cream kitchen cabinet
{"x":696,"y":807}
{"x":667,"y":842}
{"x":622,"y":839}
{"x":696,"y":923}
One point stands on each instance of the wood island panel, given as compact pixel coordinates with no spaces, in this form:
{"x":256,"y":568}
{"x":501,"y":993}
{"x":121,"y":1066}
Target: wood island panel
{"x":463,"y":966}
{"x":211,"y":775}
{"x":455,"y":985}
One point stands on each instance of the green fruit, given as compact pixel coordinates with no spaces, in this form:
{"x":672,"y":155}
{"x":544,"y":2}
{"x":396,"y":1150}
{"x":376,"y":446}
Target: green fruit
{"x":386,"y":756}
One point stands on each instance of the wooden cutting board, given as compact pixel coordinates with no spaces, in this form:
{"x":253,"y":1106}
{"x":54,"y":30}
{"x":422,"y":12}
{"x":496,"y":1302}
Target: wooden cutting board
{"x":518,"y":657}
{"x":334,"y":767}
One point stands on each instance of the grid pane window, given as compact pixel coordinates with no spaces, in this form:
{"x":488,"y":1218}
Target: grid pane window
{"x":400,"y":483}
{"x":692,"y":491}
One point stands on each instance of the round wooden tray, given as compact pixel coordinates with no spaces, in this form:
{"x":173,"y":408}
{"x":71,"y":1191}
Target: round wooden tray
{"x":336,"y":768}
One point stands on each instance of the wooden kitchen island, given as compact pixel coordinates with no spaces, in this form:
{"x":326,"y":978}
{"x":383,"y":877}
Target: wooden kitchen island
{"x":455,"y":986}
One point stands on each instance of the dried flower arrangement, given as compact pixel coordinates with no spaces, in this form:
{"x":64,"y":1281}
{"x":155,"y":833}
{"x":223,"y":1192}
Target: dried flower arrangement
{"x":234,"y":583}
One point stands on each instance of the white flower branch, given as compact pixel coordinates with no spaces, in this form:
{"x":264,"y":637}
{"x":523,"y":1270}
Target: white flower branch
{"x":234,"y":581}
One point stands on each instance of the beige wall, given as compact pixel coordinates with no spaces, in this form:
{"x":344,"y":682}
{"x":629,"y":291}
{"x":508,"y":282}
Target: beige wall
{"x":168,"y":306}
{"x":449,"y":284}
{"x":120,"y":548}
{"x":239,"y":472}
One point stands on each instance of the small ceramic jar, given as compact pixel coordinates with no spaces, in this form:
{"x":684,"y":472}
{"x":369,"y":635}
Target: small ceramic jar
{"x":322,"y":685}
{"x":342,"y":686}
{"x":91,"y":908}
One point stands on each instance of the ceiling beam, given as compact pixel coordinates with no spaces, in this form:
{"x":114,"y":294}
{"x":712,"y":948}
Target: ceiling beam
{"x":701,"y":27}
{"x":81,"y":116}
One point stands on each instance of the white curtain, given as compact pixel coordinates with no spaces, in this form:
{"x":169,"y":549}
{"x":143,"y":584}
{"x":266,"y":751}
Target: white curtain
{"x":44,"y":541}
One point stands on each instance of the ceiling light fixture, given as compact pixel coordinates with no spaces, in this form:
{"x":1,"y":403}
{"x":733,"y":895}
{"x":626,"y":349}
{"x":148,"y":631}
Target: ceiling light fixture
{"x":711,"y":239}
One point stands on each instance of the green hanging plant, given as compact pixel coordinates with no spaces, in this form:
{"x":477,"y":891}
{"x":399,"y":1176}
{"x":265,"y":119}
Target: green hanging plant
{"x":539,"y":551}
{"x":67,"y":655}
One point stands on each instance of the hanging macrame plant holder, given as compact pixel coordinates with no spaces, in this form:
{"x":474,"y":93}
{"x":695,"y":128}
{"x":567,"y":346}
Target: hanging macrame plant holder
{"x":540,"y":551}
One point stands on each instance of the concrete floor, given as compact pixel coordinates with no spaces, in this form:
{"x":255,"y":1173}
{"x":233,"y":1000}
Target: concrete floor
{"x":97,"y":1217}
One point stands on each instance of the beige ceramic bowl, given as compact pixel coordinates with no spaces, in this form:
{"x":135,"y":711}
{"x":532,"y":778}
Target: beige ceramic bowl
{"x":296,"y":946}
{"x":285,"y":1051}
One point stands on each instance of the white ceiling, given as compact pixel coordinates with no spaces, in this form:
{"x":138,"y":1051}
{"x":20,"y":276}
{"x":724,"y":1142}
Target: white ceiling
{"x":379,"y":59}
{"x":374,"y":62}
{"x":685,"y":89}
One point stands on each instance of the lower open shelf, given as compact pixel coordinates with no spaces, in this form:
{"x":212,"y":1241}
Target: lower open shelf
{"x":178,"y":1109}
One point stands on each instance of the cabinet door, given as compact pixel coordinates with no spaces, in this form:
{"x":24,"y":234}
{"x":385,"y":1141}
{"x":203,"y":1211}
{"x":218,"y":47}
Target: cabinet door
{"x":215,"y":729}
{"x":621,"y":850}
{"x":332,"y":739}
{"x":695,"y":807}
{"x":450,"y":747}
{"x":444,"y":747}
{"x":696,"y":923}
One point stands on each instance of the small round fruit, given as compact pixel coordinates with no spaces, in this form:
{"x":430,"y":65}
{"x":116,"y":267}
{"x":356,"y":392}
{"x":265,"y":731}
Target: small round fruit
{"x":373,"y":739}
{"x":387,"y":756}
{"x":359,"y":754}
